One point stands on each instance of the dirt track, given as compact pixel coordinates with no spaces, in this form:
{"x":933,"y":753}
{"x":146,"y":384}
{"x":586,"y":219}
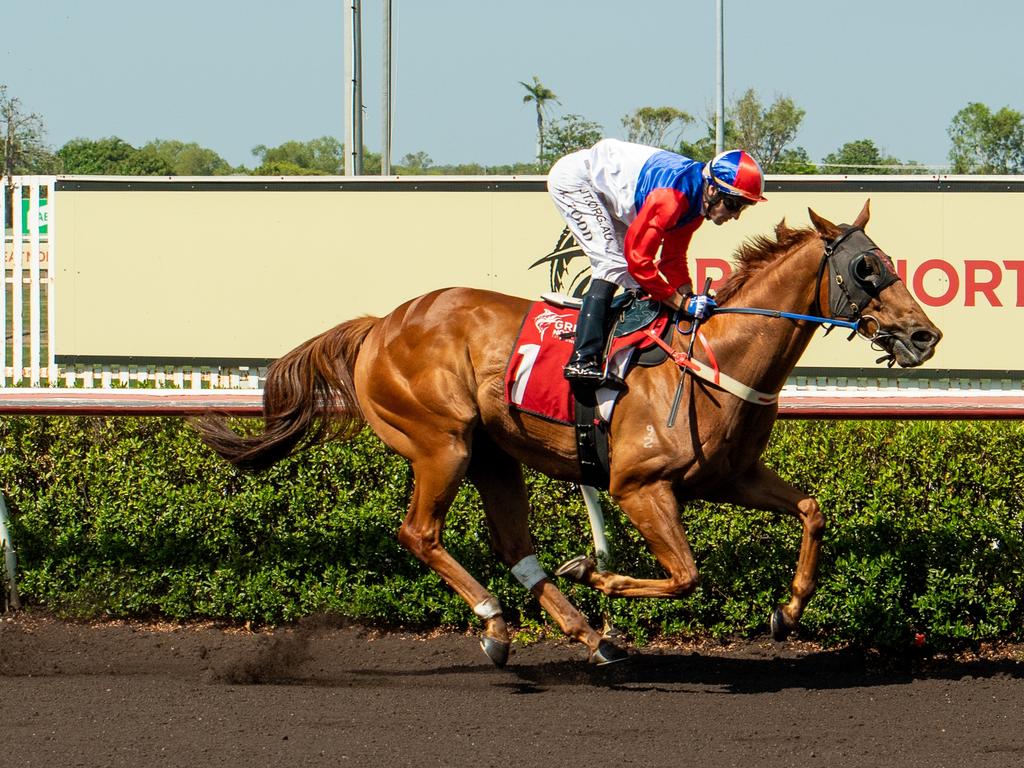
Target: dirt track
{"x":316,"y":694}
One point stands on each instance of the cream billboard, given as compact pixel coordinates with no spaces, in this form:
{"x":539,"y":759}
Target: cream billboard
{"x":239,"y":270}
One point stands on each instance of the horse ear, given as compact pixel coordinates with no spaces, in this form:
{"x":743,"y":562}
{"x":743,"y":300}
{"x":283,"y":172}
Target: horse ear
{"x":825,"y":227}
{"x":864,"y":215}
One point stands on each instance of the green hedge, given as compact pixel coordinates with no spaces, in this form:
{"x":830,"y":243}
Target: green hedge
{"x":133,"y":517}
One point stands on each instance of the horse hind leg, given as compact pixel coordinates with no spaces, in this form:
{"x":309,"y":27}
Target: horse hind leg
{"x":436,"y":481}
{"x":499,"y":480}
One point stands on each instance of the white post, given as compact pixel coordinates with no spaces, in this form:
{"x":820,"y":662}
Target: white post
{"x":34,"y":304}
{"x":51,"y":281}
{"x":10,"y":562}
{"x":596,"y":515}
{"x":17,"y":287}
{"x":3,"y":284}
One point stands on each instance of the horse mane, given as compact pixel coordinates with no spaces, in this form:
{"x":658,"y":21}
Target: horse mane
{"x":758,"y":252}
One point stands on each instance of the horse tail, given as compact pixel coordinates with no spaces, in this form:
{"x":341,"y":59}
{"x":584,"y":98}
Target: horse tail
{"x":308,"y":398}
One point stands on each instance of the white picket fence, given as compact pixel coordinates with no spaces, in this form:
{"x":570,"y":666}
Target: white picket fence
{"x":29,"y":298}
{"x":24,"y":273}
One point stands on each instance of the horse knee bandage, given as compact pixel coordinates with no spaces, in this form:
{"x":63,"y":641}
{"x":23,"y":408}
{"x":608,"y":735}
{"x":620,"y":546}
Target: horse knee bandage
{"x":528,"y":572}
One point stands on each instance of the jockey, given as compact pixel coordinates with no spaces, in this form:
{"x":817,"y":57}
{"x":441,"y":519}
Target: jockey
{"x":622,"y":202}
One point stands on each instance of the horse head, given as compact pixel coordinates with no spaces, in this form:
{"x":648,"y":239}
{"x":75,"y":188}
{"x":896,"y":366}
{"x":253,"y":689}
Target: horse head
{"x":863,"y":286}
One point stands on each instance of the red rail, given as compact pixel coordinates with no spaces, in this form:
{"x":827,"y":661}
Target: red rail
{"x":940,"y":405}
{"x":129,"y":402}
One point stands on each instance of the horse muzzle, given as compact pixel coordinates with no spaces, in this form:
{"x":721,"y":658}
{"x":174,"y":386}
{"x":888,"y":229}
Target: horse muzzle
{"x":910,"y":347}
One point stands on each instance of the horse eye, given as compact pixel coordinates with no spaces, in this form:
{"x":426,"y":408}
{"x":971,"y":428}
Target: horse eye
{"x":865,"y":267}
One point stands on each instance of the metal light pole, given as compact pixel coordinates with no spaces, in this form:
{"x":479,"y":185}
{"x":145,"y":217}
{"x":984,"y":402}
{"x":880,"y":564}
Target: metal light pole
{"x":353,"y":89}
{"x":720,"y":81}
{"x":385,"y":152}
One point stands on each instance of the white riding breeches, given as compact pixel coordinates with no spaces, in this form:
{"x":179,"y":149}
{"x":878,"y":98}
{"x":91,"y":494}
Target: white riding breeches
{"x":593,"y":190}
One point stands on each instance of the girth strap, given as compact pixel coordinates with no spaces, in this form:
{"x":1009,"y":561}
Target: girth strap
{"x":592,"y":444}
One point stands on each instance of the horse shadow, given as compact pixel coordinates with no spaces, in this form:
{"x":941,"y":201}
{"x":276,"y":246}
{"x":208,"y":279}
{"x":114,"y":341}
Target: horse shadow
{"x":688,"y":672}
{"x":751,"y":668}
{"x":820,"y":670}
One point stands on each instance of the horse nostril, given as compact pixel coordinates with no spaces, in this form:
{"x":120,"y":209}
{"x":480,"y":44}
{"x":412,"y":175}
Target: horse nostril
{"x":924,"y":339}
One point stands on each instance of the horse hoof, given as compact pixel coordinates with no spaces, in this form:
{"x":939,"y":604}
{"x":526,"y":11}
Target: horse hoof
{"x":780,"y":629}
{"x":606,"y":653}
{"x":576,"y":569}
{"x":496,"y":650}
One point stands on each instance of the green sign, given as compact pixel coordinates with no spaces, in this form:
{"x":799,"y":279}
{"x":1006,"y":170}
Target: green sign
{"x":43,"y":214}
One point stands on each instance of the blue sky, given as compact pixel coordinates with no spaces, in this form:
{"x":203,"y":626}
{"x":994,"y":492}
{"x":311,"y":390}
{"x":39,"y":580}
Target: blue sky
{"x":231,"y":74}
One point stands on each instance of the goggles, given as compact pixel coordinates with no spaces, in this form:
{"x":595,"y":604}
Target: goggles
{"x":734,"y":203}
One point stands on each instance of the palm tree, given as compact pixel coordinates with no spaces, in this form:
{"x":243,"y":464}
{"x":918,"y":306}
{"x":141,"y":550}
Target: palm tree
{"x":540,"y":95}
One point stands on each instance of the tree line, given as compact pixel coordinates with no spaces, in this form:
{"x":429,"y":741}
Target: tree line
{"x":983,"y":141}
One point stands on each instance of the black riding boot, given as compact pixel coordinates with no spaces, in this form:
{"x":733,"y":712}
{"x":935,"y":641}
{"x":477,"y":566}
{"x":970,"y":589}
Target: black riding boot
{"x":585,"y":365}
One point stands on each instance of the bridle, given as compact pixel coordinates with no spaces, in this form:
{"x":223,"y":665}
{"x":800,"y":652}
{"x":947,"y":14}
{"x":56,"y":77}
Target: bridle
{"x":858,"y":271}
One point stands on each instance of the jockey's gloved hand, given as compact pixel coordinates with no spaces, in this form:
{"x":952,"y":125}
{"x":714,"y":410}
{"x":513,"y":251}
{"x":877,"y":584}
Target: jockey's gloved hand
{"x":699,"y":307}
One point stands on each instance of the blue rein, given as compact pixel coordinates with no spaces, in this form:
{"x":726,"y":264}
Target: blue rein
{"x":851,"y":324}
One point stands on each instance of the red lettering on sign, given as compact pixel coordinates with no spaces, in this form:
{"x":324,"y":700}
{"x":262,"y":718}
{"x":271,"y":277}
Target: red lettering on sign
{"x":979,"y":277}
{"x":1018,"y":267}
{"x":721,"y":267}
{"x":973,"y":285}
{"x":26,"y":257}
{"x":945,"y":268}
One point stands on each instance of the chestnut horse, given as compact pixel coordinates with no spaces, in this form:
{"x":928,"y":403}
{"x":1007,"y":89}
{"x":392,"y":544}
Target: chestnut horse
{"x":429,"y":379}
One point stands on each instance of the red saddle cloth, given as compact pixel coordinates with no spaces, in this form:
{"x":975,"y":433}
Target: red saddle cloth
{"x":533,"y":378}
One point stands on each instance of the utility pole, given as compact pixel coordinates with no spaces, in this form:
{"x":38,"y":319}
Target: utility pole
{"x":385,"y":152}
{"x":353,"y":89}
{"x":720,"y":81}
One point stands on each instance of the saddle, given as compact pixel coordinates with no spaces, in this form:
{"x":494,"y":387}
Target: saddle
{"x":630,"y":313}
{"x":533,"y":377}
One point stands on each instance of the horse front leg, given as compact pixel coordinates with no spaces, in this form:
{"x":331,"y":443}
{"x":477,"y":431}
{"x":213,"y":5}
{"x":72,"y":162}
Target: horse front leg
{"x":762,"y":488}
{"x":654,"y":510}
{"x":436,"y":481}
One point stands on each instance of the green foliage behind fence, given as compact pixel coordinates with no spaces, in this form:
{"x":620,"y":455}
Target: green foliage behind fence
{"x":133,"y":517}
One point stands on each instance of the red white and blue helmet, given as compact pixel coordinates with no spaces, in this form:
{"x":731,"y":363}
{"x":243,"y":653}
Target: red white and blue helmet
{"x":735,"y":172}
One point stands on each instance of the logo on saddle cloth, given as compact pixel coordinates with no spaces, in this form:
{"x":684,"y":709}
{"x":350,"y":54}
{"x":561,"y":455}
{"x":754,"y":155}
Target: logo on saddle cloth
{"x":533,"y":378}
{"x":560,"y":324}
